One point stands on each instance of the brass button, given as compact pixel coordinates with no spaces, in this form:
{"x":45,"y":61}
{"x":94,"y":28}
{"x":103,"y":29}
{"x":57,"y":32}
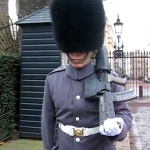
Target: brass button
{"x":78,"y":97}
{"x":77,"y":118}
{"x":77,"y":139}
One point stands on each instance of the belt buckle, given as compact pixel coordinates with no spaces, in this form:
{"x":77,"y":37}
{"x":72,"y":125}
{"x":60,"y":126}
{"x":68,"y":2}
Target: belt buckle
{"x":78,"y":132}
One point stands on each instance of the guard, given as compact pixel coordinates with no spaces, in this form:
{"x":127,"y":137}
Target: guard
{"x":79,"y":30}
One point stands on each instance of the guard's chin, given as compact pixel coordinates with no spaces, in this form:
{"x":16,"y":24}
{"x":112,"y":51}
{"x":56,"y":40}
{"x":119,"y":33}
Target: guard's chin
{"x":78,"y":65}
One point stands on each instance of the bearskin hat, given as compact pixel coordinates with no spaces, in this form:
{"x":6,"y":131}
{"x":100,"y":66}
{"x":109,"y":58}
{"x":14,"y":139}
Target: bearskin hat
{"x":78,"y":25}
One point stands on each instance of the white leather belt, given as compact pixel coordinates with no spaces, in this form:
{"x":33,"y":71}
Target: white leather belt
{"x":74,"y":131}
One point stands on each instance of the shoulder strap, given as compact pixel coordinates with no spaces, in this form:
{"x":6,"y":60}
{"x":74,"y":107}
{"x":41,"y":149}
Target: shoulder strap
{"x":59,"y":69}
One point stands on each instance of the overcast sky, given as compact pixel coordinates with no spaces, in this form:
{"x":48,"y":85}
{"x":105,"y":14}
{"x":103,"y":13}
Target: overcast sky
{"x":12,"y":9}
{"x":134,"y":14}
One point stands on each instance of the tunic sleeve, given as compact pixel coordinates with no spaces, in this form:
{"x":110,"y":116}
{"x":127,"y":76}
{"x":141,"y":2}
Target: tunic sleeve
{"x":122,"y":110}
{"x":48,"y":120}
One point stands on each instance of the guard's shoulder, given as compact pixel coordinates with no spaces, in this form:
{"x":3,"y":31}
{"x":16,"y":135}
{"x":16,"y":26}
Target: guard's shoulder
{"x":113,"y":73}
{"x":59,"y":69}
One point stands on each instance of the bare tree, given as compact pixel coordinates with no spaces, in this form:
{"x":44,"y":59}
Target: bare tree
{"x":4,"y":11}
{"x":27,"y":7}
{"x":6,"y":41}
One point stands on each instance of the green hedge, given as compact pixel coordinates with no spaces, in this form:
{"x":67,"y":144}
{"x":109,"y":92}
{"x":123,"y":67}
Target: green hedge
{"x":9,"y":95}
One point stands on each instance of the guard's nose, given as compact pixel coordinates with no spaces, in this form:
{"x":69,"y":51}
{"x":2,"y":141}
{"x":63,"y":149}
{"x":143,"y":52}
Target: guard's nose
{"x":75,"y":54}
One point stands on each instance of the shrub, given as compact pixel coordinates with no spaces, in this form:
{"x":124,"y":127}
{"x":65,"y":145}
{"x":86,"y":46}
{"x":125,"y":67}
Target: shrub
{"x":9,"y":95}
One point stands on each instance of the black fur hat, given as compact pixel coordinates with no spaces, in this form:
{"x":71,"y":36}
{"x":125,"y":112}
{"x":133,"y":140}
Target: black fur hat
{"x":78,"y":25}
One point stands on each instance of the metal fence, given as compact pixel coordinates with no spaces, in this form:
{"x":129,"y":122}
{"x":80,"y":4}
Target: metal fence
{"x":135,"y":66}
{"x":9,"y":37}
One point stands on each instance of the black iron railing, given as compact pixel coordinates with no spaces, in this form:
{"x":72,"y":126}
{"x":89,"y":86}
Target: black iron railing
{"x":9,"y":37}
{"x":135,"y":66}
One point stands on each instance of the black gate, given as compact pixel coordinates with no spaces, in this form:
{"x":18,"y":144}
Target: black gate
{"x":135,"y":66}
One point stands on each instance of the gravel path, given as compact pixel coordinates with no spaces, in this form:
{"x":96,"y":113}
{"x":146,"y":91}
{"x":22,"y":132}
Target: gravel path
{"x":140,"y":132}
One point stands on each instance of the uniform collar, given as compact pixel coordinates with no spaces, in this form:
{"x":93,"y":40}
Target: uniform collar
{"x":78,"y":74}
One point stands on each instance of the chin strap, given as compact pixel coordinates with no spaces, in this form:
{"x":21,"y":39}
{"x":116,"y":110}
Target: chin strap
{"x":81,"y":61}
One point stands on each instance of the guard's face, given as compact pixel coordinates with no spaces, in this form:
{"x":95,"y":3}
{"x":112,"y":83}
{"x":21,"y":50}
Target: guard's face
{"x":77,"y":57}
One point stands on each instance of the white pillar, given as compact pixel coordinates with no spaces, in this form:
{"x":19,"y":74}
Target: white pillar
{"x":64,"y":59}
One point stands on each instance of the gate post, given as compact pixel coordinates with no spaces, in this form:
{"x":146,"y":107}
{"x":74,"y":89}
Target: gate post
{"x":141,"y":91}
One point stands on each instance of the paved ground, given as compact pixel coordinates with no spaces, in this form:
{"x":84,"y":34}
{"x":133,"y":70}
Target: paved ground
{"x":140,"y":132}
{"x":124,"y":145}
